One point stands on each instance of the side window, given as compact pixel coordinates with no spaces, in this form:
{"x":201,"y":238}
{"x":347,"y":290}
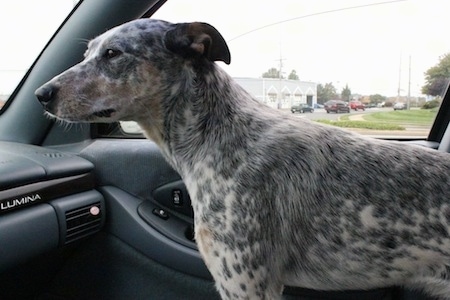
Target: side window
{"x":24,"y":33}
{"x":379,"y":69}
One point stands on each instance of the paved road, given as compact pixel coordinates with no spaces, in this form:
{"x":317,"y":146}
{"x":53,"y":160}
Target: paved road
{"x":322,"y":114}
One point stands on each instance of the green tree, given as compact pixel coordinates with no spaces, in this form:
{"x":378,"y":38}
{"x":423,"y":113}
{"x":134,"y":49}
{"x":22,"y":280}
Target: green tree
{"x":431,"y":104}
{"x":293,"y":75}
{"x":325,"y":92}
{"x":377,"y":98}
{"x":437,"y":77}
{"x":346,"y":93}
{"x":272,"y":73}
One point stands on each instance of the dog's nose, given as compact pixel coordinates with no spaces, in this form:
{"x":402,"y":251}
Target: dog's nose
{"x":45,"y":93}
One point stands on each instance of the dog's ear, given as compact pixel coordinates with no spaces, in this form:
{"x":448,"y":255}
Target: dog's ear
{"x":197,"y":39}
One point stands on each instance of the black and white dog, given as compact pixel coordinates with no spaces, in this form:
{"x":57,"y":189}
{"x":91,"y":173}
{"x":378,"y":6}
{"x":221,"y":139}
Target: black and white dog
{"x":277,"y":199}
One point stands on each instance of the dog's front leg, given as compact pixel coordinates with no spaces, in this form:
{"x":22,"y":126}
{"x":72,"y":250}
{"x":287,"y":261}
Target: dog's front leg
{"x":239,"y":274}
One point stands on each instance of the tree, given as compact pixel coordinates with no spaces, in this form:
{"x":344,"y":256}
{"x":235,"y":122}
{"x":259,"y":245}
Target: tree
{"x":377,"y":98}
{"x":293,"y":75}
{"x":436,"y":77}
{"x":431,"y":104}
{"x":346,"y":93}
{"x":325,"y":92}
{"x":272,"y":73}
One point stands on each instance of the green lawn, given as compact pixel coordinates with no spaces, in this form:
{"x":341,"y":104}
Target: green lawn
{"x":421,"y":117}
{"x":362,"y":124}
{"x":388,"y":120}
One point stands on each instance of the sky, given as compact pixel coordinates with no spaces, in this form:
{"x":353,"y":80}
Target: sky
{"x":25,"y":28}
{"x":363,"y":47}
{"x":365,"y":44}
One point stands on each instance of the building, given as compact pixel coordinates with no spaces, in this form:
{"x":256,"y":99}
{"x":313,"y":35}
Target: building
{"x":280,"y":93}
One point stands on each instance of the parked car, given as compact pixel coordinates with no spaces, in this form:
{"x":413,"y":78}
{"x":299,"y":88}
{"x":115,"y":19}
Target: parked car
{"x":399,"y":106}
{"x":357,"y":105}
{"x":336,"y":106}
{"x":302,"y":108}
{"x":317,"y":105}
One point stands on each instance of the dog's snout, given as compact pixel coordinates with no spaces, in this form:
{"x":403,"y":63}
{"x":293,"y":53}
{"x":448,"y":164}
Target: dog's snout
{"x":45,"y":93}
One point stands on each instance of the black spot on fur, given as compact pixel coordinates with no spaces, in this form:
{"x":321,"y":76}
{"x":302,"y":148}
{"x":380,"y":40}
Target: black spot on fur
{"x":431,"y":229}
{"x":446,"y":213}
{"x":389,"y":242}
{"x":225,"y":269}
{"x":237,"y":268}
{"x":379,"y":212}
{"x":227,"y":292}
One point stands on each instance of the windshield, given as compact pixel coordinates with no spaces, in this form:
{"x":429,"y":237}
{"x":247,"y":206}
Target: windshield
{"x":25,"y":28}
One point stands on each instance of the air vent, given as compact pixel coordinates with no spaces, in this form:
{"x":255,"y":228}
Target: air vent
{"x":83,"y":221}
{"x":54,"y":155}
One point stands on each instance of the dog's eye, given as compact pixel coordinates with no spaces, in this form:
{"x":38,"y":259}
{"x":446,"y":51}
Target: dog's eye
{"x":111,"y":53}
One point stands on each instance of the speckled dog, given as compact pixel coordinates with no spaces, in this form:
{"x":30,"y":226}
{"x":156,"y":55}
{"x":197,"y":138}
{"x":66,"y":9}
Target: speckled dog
{"x":278,"y":200}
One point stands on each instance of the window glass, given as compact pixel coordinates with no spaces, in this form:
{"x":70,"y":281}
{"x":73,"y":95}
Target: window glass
{"x":25,"y":28}
{"x":386,"y":63}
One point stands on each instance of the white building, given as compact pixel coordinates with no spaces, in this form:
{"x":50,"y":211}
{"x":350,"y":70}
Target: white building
{"x":281,"y":93}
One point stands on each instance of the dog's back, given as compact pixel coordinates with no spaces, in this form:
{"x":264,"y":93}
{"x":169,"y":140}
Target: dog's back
{"x":333,"y":210}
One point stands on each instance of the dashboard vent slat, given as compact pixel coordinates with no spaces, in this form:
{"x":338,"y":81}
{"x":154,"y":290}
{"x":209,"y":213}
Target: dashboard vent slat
{"x":83,"y":221}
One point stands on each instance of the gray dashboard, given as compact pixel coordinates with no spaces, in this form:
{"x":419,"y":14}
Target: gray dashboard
{"x":47,"y":199}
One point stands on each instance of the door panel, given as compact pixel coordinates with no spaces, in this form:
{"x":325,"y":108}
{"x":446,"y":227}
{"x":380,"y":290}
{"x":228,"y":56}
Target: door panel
{"x":72,"y":189}
{"x":138,"y":184}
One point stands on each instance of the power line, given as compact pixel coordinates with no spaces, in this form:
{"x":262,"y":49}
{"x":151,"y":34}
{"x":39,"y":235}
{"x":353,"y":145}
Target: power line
{"x":315,"y":14}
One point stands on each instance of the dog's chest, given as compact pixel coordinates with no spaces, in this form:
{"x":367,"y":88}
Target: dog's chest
{"x":217,"y":200}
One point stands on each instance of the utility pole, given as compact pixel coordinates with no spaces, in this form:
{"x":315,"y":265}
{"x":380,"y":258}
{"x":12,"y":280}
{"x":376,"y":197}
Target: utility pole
{"x":399,"y":78}
{"x":280,"y":69}
{"x":408,"y":100}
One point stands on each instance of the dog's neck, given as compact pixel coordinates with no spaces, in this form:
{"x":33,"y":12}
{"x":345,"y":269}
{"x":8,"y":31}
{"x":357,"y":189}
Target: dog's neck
{"x":207,"y":116}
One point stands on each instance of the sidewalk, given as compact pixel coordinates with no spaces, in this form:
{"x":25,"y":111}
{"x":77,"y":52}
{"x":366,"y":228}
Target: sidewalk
{"x":356,"y":117}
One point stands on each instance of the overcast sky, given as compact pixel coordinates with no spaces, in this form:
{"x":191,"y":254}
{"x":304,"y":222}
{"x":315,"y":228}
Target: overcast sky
{"x":25,"y":28}
{"x":335,"y":41}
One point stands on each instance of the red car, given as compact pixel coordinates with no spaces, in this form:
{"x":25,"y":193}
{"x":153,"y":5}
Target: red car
{"x":356,"y":105}
{"x":336,"y":106}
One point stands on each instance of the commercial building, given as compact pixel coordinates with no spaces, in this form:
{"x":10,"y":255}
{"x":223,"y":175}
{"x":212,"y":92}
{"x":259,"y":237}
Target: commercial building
{"x":280,"y":93}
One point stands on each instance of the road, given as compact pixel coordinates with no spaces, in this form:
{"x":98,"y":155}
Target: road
{"x":322,"y":114}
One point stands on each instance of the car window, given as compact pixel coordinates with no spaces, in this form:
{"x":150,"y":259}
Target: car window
{"x":392,"y":56}
{"x":25,"y":28}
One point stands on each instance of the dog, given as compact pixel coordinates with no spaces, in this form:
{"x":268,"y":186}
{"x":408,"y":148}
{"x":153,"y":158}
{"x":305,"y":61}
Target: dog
{"x":278,"y":200}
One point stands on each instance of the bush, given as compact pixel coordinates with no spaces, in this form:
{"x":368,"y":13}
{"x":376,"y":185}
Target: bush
{"x":431,"y":104}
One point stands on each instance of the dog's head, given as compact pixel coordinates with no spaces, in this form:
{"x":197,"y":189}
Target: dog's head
{"x":129,"y":70}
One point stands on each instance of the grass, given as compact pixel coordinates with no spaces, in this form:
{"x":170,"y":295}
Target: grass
{"x":421,"y":117}
{"x":387,"y":120}
{"x":362,"y":124}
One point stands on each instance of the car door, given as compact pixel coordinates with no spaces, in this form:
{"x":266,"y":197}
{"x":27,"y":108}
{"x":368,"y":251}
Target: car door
{"x":93,"y":211}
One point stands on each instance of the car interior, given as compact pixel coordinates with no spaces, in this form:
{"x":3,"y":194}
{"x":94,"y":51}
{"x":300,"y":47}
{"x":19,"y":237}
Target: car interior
{"x":90,"y":212}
